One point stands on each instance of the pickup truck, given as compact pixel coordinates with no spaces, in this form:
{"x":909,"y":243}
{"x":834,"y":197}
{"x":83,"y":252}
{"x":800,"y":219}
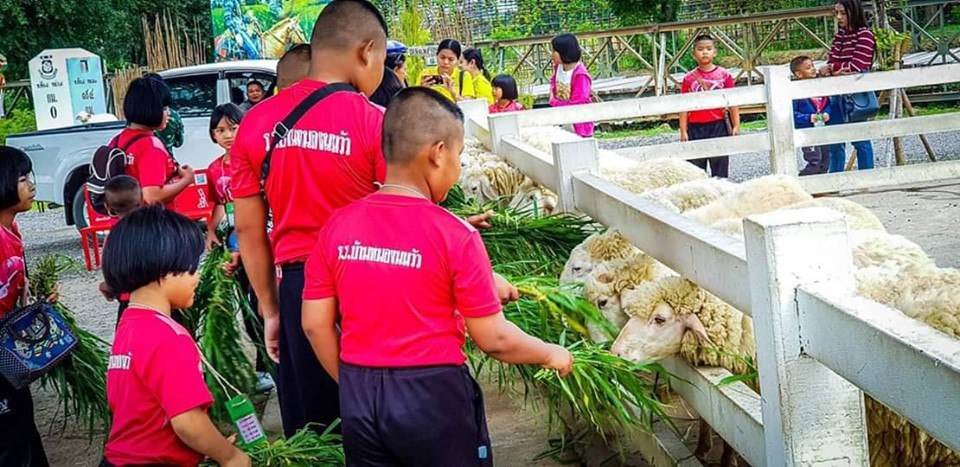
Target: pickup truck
{"x":61,"y":156}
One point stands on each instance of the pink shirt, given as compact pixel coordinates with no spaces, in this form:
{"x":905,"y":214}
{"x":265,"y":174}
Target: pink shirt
{"x":403,"y":283}
{"x":153,"y":375}
{"x":218,"y":176}
{"x":717,"y":78}
{"x":513,"y":106}
{"x":12,"y":269}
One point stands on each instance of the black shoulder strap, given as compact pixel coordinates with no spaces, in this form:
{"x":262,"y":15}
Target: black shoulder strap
{"x":461,"y":83}
{"x":281,"y":129}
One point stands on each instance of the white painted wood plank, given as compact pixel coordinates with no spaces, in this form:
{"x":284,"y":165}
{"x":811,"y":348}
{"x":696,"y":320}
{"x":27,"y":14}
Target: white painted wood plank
{"x":878,"y":129}
{"x":924,"y":76}
{"x":733,"y":410}
{"x":569,"y":158}
{"x":753,"y":142}
{"x":712,"y":259}
{"x":646,"y":106}
{"x":479,"y":131}
{"x":811,"y":416}
{"x":783,"y":157}
{"x":903,"y":363}
{"x":886,"y":177}
{"x":536,"y":164}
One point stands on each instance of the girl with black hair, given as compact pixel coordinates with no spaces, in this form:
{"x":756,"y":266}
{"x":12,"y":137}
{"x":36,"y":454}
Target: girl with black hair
{"x":20,"y":443}
{"x":505,"y":94}
{"x":852,"y":52}
{"x":571,"y":83}
{"x":472,"y":63}
{"x":146,"y":109}
{"x":446,"y":78}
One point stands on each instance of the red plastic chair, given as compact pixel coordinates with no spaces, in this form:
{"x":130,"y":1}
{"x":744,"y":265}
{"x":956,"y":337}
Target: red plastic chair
{"x":193,"y":202}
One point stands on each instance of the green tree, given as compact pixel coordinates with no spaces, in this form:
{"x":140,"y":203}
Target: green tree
{"x":640,"y":12}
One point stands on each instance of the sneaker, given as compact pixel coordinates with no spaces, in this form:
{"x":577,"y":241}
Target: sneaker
{"x":264,"y":382}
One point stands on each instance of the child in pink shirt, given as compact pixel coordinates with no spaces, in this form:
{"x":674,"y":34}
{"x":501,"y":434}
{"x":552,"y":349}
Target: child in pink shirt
{"x":571,"y":83}
{"x":404,"y":298}
{"x":505,"y":95}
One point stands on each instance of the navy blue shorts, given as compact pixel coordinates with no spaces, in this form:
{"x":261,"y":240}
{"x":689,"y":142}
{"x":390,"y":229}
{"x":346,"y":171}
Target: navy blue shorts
{"x":427,"y":416}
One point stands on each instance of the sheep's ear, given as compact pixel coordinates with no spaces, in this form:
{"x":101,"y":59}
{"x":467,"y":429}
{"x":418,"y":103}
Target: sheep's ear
{"x":605,"y":278}
{"x":693,"y":324}
{"x":486,"y":188}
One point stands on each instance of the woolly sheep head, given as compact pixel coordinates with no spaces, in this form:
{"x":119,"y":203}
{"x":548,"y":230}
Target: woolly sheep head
{"x":534,"y":195}
{"x":476,"y":185}
{"x":661,"y":314}
{"x":578,"y":265}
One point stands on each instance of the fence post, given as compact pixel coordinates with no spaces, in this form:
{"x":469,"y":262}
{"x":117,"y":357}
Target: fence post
{"x":502,"y":126}
{"x":783,"y":153}
{"x":474,"y":109}
{"x":570,"y":157}
{"x":810,"y":414}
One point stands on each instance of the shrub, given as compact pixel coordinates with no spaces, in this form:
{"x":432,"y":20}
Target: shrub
{"x":20,"y":121}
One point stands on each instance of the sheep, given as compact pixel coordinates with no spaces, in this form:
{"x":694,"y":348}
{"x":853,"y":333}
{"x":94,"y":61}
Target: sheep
{"x":756,"y":196}
{"x":534,"y":196}
{"x":653,"y":174}
{"x":857,"y":216}
{"x":610,"y":280}
{"x":596,"y":249}
{"x":685,"y":196}
{"x":491,"y":180}
{"x":892,"y":252}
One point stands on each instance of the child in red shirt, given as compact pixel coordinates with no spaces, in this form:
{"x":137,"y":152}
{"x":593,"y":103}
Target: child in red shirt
{"x":505,"y":95}
{"x":155,"y":386}
{"x":404,"y":297}
{"x":704,"y":124}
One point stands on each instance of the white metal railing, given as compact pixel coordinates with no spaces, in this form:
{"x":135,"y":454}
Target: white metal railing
{"x":818,"y":344}
{"x":780,"y":139}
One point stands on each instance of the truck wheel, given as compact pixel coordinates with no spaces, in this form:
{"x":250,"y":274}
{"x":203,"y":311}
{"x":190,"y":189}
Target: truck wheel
{"x":79,"y":207}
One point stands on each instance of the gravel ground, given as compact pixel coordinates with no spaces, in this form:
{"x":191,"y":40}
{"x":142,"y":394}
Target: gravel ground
{"x":757,"y":164}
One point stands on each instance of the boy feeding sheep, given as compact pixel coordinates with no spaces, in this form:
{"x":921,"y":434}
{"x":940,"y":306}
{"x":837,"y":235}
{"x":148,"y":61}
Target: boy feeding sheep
{"x":406,"y":395}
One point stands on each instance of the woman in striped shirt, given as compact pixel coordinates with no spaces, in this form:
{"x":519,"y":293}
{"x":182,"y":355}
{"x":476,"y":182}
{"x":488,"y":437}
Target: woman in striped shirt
{"x":852,"y":52}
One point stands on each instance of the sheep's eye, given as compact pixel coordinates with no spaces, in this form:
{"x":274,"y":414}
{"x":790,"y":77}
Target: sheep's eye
{"x":659,"y":320}
{"x":576,"y":269}
{"x":602,"y":303}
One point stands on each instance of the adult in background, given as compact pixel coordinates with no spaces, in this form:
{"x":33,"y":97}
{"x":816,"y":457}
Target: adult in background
{"x":852,"y":52}
{"x":394,"y":74}
{"x":348,"y":46}
{"x":145,"y":108}
{"x":472,"y":63}
{"x":255,"y":95}
{"x":172,"y":134}
{"x":446,"y":78}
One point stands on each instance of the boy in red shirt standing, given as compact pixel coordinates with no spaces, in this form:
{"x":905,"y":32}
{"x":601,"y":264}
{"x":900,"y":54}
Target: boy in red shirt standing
{"x":155,"y":386}
{"x":705,"y":124}
{"x":404,"y":297}
{"x":329,"y":158}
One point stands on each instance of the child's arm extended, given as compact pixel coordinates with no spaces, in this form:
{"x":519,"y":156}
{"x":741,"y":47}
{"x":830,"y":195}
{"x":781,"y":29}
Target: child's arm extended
{"x":319,"y":321}
{"x":196,"y":430}
{"x":504,"y":341}
{"x":801,"y":119}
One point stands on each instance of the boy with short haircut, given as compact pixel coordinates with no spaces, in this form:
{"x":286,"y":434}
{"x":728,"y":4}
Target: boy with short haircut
{"x":808,"y":113}
{"x":406,"y":396}
{"x":121,"y":195}
{"x":155,"y":387}
{"x":293,"y":66}
{"x":705,"y":124}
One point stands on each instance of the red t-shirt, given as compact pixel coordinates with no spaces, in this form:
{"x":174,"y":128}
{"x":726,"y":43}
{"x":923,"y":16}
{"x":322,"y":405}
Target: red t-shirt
{"x":12,"y":269}
{"x":717,"y":78}
{"x":330,"y":158}
{"x":148,"y":161}
{"x":153,"y":375}
{"x":218,"y":179}
{"x":404,"y":283}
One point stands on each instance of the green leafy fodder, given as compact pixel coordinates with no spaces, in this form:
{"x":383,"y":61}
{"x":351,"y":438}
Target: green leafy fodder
{"x":218,"y":331}
{"x":80,"y":380}
{"x":304,"y":448}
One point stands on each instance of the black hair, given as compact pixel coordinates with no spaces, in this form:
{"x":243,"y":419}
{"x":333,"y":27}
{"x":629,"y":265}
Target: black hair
{"x":14,"y":164}
{"x":167,"y":96}
{"x":508,"y":85}
{"x":230,"y":111}
{"x":474,"y":55}
{"x":797,"y":62}
{"x":343,"y":23}
{"x":145,"y":101}
{"x":119,"y":195}
{"x":451,"y":45}
{"x":568,"y":47}
{"x":409,"y":106}
{"x":702,"y":37}
{"x":255,"y":82}
{"x":174,"y":241}
{"x":389,"y":87}
{"x":856,"y":17}
{"x":293,"y":66}
{"x":393,"y":61}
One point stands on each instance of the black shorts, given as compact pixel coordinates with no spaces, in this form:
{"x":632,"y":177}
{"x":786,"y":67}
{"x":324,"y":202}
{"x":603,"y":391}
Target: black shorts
{"x":426,"y":416}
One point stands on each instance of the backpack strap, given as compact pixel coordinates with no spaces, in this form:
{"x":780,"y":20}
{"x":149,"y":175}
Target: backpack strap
{"x":280,"y":129}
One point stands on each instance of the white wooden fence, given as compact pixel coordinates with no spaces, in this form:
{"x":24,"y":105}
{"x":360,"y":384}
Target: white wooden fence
{"x":819,"y":346}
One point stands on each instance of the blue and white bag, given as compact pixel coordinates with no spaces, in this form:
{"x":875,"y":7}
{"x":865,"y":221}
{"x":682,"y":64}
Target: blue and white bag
{"x":33,"y":339}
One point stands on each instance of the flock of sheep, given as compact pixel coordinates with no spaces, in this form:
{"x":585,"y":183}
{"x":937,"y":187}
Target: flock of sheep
{"x":661,"y":314}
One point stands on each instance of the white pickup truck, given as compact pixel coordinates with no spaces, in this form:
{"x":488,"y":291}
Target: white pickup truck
{"x":61,"y":157}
